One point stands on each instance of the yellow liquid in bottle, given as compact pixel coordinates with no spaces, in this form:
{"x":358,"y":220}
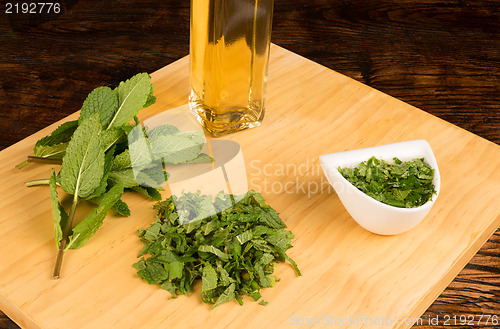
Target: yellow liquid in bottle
{"x":229,"y":52}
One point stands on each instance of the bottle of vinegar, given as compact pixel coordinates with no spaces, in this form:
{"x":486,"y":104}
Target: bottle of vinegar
{"x":229,"y":56}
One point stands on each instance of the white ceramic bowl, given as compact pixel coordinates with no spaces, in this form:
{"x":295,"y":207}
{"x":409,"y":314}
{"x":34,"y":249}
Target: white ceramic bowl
{"x":373,"y":215}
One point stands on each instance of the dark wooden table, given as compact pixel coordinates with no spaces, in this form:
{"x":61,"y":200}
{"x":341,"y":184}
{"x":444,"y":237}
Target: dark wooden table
{"x":441,"y":56}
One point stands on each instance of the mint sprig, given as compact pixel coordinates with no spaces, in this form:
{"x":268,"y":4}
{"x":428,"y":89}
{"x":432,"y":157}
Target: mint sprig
{"x":83,"y":163}
{"x":98,"y":164}
{"x":81,"y":172}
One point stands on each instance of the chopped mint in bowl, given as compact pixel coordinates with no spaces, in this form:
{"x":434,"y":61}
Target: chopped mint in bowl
{"x":387,"y":189}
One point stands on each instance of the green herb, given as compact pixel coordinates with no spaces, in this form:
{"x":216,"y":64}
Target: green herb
{"x":89,"y":226}
{"x":101,"y":100}
{"x":98,"y":164}
{"x":232,"y":248}
{"x":133,"y":95}
{"x":52,"y":147}
{"x":60,"y":215}
{"x":83,"y":163}
{"x":399,"y":184}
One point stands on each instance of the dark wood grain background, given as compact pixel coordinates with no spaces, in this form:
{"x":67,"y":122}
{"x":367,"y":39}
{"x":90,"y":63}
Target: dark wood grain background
{"x":441,"y":56}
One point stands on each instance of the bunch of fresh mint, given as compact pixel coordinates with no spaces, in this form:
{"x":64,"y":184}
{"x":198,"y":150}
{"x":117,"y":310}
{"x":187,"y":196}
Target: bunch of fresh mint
{"x":102,"y":155}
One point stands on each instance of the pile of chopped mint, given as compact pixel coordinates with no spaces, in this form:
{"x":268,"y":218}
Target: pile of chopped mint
{"x":233,"y":252}
{"x":102,"y":155}
{"x":400,"y":184}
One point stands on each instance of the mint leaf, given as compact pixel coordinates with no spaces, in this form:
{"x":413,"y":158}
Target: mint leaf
{"x":132,"y":94}
{"x":175,"y":270}
{"x":147,"y":155}
{"x":271,"y":218}
{"x":101,"y":100}
{"x":291,"y":261}
{"x":122,"y":161}
{"x":226,"y":296}
{"x":206,"y":248}
{"x":175,"y":149}
{"x":83,"y":163}
{"x":201,"y":158}
{"x":163,"y":130}
{"x":52,"y":146}
{"x":130,"y":178}
{"x":153,"y":273}
{"x":151,"y":99}
{"x":208,"y":278}
{"x":60,"y":215}
{"x":135,"y":165}
{"x":119,"y":208}
{"x":280,"y":239}
{"x":148,"y":191}
{"x":111,"y":137}
{"x":55,"y":151}
{"x":194,"y":207}
{"x":209,"y":227}
{"x":84,"y":230}
{"x":244,"y":237}
{"x":224,"y":277}
{"x":139,"y":148}
{"x":124,"y":177}
{"x":108,"y":163}
{"x":61,"y":134}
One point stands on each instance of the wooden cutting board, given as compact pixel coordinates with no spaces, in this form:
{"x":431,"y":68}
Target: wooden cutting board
{"x":351,"y":278}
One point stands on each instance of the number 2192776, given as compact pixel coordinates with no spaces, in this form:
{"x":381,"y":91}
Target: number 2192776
{"x":32,"y":8}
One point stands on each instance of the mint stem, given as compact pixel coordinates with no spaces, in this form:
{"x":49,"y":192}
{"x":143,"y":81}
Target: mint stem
{"x":67,"y":230}
{"x":37,"y":182}
{"x":33,"y":158}
{"x":23,"y":164}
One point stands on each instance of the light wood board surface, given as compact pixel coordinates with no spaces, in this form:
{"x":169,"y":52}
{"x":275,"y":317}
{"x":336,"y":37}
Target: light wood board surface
{"x":351,"y":278}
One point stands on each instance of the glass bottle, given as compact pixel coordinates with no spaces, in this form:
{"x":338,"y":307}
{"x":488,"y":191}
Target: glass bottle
{"x":229,"y":56}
